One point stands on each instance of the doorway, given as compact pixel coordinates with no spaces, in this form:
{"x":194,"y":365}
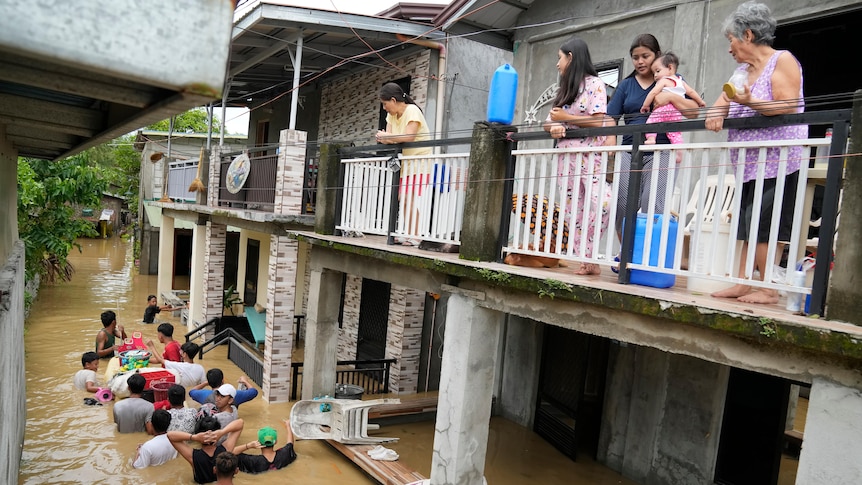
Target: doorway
{"x":373,"y":320}
{"x":752,"y":429}
{"x":571,"y":390}
{"x":817,"y":44}
{"x":252,"y":261}
{"x":181,"y":278}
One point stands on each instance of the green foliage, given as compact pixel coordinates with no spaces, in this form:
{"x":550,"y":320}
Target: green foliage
{"x":192,"y":121}
{"x":551,"y":286}
{"x":121,"y":165}
{"x":767,"y":326}
{"x":48,"y":193}
{"x":28,"y":300}
{"x":230,"y":298}
{"x":494,"y":276}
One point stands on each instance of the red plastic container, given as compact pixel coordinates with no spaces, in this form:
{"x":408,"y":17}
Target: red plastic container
{"x":159,"y":375}
{"x":160,"y":389}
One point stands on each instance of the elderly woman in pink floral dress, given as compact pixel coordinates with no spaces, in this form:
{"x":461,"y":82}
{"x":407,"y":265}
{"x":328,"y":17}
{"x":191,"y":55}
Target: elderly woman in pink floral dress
{"x":774,"y":87}
{"x":581,"y":102}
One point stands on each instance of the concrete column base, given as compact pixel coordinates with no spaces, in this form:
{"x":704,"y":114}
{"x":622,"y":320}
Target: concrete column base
{"x":466,"y":391}
{"x":830,"y":450}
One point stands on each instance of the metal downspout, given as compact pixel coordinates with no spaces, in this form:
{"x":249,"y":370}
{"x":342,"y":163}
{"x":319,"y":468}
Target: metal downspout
{"x":441,"y":81}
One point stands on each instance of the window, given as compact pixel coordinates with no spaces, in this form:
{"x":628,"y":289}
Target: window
{"x":611,"y":73}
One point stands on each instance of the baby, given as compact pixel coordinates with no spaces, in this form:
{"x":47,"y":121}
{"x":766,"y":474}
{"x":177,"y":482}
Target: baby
{"x":667,"y":80}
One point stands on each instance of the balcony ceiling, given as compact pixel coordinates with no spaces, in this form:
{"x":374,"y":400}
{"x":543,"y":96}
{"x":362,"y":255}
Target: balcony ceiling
{"x":265,"y":39}
{"x":488,"y":21}
{"x":76,"y":74}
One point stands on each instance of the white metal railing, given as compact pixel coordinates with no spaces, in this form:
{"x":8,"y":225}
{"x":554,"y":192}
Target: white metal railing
{"x":430,"y":202}
{"x":181,"y":174}
{"x":365,"y":203}
{"x":540,"y":187}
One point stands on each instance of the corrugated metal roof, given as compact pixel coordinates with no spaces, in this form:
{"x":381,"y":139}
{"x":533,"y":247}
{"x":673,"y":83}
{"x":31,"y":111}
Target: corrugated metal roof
{"x":265,"y":38}
{"x":487,"y":21}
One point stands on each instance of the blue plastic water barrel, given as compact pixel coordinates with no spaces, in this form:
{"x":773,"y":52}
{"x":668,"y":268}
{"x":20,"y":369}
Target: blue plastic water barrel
{"x":501,"y":97}
{"x":649,"y":278}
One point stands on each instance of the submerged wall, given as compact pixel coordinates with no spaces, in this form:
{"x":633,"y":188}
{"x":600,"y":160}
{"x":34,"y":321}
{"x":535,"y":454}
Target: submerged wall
{"x":12,"y":404}
{"x":13,"y":411}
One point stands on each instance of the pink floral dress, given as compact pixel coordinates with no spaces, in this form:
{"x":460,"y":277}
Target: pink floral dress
{"x":592,"y":99}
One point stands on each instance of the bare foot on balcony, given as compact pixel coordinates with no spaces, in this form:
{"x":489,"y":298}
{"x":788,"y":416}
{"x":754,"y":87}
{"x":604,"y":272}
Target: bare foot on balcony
{"x":589,"y":269}
{"x":764,"y":297}
{"x":735,"y":291}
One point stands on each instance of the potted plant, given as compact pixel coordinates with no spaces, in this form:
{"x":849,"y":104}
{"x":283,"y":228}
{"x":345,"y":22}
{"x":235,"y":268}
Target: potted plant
{"x":231,"y":298}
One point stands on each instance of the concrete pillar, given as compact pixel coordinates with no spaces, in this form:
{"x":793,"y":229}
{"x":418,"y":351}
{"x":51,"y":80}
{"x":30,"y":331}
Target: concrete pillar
{"x":280,"y":294}
{"x":522,"y":352}
{"x":466,"y":390}
{"x":166,"y":257}
{"x":842,"y":300}
{"x":321,"y":341}
{"x":830,"y":450}
{"x":214,"y":175}
{"x":196,"y":284}
{"x":213,"y":273}
{"x":291,"y":171}
{"x":489,"y":154}
{"x":328,"y":187}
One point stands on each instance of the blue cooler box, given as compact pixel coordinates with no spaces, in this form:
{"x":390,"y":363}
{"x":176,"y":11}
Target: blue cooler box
{"x":649,"y":278}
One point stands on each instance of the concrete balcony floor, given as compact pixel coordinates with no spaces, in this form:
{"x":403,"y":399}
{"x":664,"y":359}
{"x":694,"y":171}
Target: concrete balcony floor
{"x":599,"y":304}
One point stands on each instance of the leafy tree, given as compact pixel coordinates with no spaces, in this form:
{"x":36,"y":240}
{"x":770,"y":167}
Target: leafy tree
{"x":48,"y":193}
{"x":121,"y":165}
{"x":192,"y":121}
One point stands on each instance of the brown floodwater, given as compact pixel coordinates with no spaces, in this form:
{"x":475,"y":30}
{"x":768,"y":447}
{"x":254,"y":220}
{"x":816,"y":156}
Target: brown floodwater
{"x":69,"y":442}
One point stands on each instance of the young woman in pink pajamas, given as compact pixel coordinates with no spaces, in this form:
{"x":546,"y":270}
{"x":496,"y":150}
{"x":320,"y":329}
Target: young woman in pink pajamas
{"x":581,"y":102}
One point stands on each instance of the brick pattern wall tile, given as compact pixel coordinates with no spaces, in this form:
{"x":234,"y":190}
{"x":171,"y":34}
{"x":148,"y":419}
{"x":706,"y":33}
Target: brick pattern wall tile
{"x":403,"y":333}
{"x":350,"y":320}
{"x":280,"y":294}
{"x":289,"y":176}
{"x":216,"y":239}
{"x":352,"y":102}
{"x":215,"y":174}
{"x":404,"y":338}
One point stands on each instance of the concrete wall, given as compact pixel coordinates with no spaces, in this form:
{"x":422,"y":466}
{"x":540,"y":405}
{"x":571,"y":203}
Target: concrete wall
{"x":521,"y":363}
{"x":278,"y":115}
{"x":12,"y":404}
{"x":469,"y":68}
{"x":662,"y":416}
{"x":693,"y":30}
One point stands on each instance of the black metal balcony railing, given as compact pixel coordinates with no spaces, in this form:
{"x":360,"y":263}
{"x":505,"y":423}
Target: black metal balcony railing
{"x":258,"y":191}
{"x":533,"y":174}
{"x":241,"y":352}
{"x":373,"y":376}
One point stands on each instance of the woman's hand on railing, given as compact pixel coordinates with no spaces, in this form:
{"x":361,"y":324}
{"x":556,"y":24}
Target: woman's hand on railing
{"x":557,"y":130}
{"x":714,"y":123}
